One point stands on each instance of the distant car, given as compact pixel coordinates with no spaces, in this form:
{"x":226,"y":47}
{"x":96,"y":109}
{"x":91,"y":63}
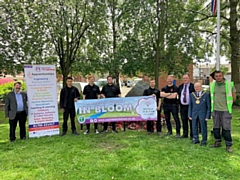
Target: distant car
{"x":135,"y":81}
{"x":129,"y":83}
{"x":205,"y":88}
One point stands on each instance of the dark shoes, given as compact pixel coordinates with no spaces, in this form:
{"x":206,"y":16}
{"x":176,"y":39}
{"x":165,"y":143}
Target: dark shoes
{"x":24,"y":138}
{"x":196,"y":142}
{"x":75,"y":133}
{"x":229,"y":149}
{"x":216,"y":144}
{"x":203,"y":144}
{"x":63,"y":133}
{"x":13,"y":140}
{"x":103,"y":131}
{"x":184,"y":136}
{"x":177,"y":135}
{"x":169,"y":133}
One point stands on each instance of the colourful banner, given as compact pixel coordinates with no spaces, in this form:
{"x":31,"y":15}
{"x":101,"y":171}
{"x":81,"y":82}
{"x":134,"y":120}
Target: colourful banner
{"x":42,"y":100}
{"x":140,"y":108}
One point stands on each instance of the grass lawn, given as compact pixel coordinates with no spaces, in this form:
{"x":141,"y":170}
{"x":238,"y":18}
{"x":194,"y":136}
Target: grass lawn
{"x":130,"y":155}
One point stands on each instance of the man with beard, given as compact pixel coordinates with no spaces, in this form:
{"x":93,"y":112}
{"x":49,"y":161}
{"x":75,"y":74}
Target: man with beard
{"x":16,"y":110}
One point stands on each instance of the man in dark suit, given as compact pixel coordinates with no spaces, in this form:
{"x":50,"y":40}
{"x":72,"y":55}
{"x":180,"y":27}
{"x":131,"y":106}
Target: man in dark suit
{"x":16,"y":109}
{"x":184,"y":91}
{"x":199,"y":107}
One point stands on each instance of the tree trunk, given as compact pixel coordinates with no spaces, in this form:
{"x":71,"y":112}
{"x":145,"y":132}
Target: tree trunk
{"x":234,"y":43}
{"x":65,"y":70}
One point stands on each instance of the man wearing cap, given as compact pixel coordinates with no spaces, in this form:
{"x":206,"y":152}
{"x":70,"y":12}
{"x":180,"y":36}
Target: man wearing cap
{"x":223,"y":94}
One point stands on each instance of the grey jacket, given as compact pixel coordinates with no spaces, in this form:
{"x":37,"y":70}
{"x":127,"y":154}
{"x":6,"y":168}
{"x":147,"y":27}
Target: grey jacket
{"x":11,"y":104}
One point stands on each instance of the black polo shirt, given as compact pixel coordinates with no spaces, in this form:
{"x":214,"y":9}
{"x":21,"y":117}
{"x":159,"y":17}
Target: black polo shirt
{"x":70,"y":97}
{"x":150,"y":91}
{"x":170,"y":89}
{"x":110,"y":91}
{"x":91,"y":92}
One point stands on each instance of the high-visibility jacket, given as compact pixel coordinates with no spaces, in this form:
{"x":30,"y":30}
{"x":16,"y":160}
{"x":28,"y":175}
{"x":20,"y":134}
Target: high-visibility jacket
{"x":229,"y":97}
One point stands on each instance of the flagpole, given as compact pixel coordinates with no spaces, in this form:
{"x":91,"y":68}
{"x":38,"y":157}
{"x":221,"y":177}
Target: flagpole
{"x":218,"y":36}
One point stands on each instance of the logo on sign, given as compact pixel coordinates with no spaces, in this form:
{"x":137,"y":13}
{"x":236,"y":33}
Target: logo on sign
{"x":38,"y":69}
{"x":81,"y":119}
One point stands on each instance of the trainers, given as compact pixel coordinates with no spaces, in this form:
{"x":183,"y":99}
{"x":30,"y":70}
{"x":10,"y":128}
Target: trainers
{"x":96,"y":131}
{"x":229,"y":149}
{"x":114,"y":131}
{"x":216,"y":144}
{"x":86,"y":132}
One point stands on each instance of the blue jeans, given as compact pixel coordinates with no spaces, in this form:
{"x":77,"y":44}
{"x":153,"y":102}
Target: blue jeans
{"x":168,"y":109}
{"x":203,"y":124}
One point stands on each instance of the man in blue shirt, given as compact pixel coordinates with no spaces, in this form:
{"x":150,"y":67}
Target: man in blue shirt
{"x":16,"y":110}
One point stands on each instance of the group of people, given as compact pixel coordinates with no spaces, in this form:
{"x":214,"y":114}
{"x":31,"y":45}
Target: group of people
{"x":196,"y":107}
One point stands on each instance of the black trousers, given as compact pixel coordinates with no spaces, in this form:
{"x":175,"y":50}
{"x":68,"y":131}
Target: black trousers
{"x":95,"y":126}
{"x":105,"y":126}
{"x":185,"y":120}
{"x":66,"y":113}
{"x":21,"y":117}
{"x":168,"y":109}
{"x":150,"y":124}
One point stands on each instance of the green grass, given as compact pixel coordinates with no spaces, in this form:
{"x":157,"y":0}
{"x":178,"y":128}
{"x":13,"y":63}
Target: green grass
{"x":130,"y":155}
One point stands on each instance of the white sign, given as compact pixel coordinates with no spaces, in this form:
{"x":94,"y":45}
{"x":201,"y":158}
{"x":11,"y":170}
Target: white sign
{"x":42,"y":100}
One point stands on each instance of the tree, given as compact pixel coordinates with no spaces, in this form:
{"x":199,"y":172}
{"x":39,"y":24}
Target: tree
{"x":22,"y":39}
{"x":164,"y":43}
{"x":230,"y":29}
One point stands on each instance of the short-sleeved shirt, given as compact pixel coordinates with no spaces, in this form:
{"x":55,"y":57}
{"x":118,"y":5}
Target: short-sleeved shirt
{"x":170,"y":89}
{"x":91,"y":92}
{"x":150,"y":91}
{"x":220,"y":99}
{"x":110,"y":91}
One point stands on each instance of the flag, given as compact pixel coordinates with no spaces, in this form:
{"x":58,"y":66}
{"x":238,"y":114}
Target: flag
{"x":214,"y":6}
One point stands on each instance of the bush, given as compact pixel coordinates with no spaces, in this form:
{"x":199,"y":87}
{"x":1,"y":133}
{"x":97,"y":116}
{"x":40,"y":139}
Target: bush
{"x":237,"y":102}
{"x":8,"y":87}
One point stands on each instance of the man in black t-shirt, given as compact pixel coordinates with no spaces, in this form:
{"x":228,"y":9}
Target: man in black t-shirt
{"x":91,"y":91}
{"x":152,"y":91}
{"x":68,"y":96}
{"x":170,"y":105}
{"x":110,"y":91}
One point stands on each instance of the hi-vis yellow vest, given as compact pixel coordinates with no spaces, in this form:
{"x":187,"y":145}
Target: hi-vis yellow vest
{"x":229,"y":86}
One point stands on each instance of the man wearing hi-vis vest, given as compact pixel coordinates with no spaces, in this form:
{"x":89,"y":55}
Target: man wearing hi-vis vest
{"x":223,"y":94}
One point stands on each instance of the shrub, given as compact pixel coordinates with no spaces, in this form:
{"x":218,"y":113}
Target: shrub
{"x":8,"y":87}
{"x":237,"y":102}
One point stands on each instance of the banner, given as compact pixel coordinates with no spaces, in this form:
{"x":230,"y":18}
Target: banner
{"x":42,"y":100}
{"x":140,"y":108}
